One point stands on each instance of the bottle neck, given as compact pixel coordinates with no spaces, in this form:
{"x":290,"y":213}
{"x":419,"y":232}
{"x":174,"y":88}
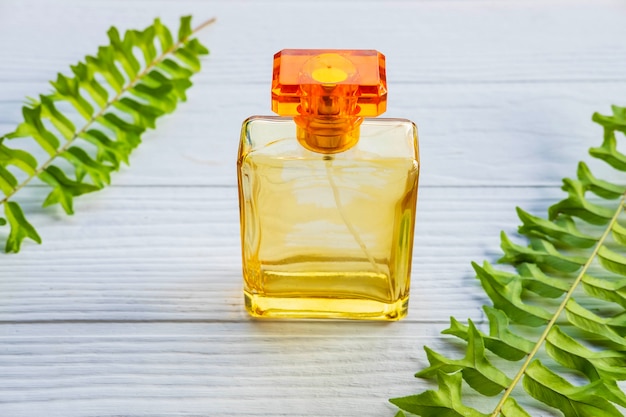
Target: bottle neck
{"x":328,"y":134}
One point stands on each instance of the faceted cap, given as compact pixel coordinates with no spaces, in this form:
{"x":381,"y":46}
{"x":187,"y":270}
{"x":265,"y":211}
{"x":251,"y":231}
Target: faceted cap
{"x":329,"y":82}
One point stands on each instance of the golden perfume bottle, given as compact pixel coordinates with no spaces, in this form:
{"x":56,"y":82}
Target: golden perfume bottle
{"x":326,"y":195}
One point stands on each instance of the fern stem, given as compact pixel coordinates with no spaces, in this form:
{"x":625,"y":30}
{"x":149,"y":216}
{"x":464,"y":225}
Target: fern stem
{"x":568,"y":296}
{"x":106,"y":107}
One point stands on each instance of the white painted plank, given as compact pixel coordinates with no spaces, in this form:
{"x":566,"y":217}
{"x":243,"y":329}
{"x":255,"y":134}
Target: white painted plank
{"x":211,"y":369}
{"x":246,"y":369}
{"x":506,"y":134}
{"x":475,"y":129}
{"x":447,"y":41}
{"x":173,"y":254}
{"x":133,"y":306}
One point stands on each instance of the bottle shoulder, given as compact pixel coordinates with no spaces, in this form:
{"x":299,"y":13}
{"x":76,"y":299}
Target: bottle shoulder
{"x":379,"y":138}
{"x":288,"y":121}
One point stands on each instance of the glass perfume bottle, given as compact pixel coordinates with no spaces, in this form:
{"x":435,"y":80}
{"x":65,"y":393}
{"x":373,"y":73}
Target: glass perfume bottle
{"x":327,"y":193}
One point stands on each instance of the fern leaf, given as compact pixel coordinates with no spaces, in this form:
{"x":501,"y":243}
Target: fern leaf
{"x":506,"y":294}
{"x":86,"y":165}
{"x":8,"y":182}
{"x":19,"y":159}
{"x":60,"y":122}
{"x":576,"y":205}
{"x":599,"y":187}
{"x":594,"y":364}
{"x":535,"y":280}
{"x":612,"y":261}
{"x":563,"y":230}
{"x":608,"y":290}
{"x":500,"y":341}
{"x":475,"y":368}
{"x":445,"y":402}
{"x":581,"y":271}
{"x":608,"y":389}
{"x":119,"y":93}
{"x":539,"y":252}
{"x":64,"y":189}
{"x":608,"y":150}
{"x":110,"y":151}
{"x":20,"y":228}
{"x":555,"y":391}
{"x":619,"y":233}
{"x":33,"y":126}
{"x":586,"y":320}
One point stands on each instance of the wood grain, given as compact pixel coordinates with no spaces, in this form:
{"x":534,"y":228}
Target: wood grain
{"x":243,"y":369}
{"x":172,"y":253}
{"x":426,"y":42}
{"x":133,"y":306}
{"x":469,"y":135}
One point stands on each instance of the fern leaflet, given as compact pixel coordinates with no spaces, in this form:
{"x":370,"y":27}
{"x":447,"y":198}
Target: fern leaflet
{"x":116,"y":95}
{"x":576,"y":256}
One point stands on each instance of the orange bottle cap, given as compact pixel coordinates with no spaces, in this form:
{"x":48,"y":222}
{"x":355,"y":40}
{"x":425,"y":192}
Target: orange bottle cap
{"x":329,"y":83}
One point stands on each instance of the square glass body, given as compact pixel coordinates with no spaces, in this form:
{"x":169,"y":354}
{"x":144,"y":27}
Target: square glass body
{"x":327,"y":235}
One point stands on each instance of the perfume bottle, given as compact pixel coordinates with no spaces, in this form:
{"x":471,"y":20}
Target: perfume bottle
{"x":327,"y":192}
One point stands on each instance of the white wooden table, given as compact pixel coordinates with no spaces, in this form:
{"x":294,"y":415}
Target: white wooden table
{"x":133,"y":307}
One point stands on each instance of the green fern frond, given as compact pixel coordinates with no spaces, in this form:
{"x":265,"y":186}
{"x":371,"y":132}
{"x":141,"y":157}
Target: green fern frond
{"x":500,"y":341}
{"x":446,"y":401}
{"x":118,"y":93}
{"x":585,"y":334}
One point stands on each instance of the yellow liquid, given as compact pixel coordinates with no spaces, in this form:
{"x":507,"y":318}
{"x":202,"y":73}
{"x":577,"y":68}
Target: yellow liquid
{"x":327,"y":236}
